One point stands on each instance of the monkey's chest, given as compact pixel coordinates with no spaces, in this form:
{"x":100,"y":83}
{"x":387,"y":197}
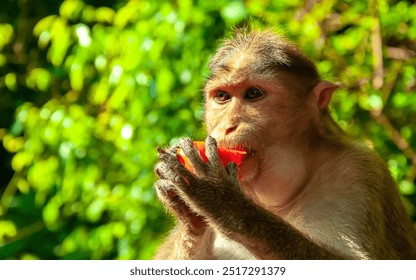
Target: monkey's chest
{"x":227,"y":249}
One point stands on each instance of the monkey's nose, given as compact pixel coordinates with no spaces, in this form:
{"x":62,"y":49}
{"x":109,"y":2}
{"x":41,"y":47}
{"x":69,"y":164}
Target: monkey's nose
{"x":230,"y":129}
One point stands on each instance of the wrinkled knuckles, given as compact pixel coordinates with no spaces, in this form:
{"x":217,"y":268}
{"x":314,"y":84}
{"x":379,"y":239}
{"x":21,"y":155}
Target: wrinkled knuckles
{"x":160,"y":150}
{"x":158,"y":170}
{"x":173,"y":150}
{"x":185,"y":143}
{"x":189,"y":149}
{"x":165,"y":188}
{"x":163,"y":170}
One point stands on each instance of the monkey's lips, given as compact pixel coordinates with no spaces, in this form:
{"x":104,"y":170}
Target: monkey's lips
{"x":226,"y":155}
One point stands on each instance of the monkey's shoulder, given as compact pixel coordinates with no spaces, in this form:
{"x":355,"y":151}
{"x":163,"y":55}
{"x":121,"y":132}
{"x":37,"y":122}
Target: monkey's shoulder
{"x":352,"y":175}
{"x":346,"y":197}
{"x":356,"y":164}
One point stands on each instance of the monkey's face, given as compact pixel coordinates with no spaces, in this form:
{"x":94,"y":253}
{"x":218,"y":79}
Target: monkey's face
{"x":248,"y":113}
{"x":255,"y":114}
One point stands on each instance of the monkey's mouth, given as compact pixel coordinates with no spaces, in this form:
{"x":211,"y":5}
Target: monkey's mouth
{"x":250,"y":153}
{"x":238,"y":147}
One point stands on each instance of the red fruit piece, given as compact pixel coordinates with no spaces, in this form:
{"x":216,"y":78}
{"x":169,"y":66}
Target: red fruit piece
{"x":226,"y":155}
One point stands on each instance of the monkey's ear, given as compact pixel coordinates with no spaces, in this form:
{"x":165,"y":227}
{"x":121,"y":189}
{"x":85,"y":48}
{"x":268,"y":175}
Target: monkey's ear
{"x":322,"y":93}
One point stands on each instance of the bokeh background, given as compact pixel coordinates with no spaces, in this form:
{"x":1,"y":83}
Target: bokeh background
{"x":89,"y":89}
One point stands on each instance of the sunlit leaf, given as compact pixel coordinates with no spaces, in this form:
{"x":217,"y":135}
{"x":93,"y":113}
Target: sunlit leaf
{"x":7,"y":230}
{"x":6,"y":34}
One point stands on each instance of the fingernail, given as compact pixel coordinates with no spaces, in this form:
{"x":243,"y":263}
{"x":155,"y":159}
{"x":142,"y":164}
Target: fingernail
{"x":160,"y":150}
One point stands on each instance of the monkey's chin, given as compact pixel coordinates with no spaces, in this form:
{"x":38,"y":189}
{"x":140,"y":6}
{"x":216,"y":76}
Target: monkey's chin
{"x":247,"y":166}
{"x":248,"y":169}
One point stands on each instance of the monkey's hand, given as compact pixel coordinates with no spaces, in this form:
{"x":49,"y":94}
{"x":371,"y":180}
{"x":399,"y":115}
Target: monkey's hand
{"x":212,"y":191}
{"x":167,"y":191}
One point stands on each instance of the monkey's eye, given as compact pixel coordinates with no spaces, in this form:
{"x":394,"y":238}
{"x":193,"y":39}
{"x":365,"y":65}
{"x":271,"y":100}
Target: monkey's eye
{"x":253,"y":93}
{"x":222,"y":97}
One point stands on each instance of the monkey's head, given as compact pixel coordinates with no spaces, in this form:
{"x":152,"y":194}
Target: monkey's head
{"x":264,"y":92}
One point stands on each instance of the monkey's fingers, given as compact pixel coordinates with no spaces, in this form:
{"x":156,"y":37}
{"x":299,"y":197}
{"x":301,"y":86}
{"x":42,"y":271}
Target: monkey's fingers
{"x":161,"y":168}
{"x":173,"y":150}
{"x":169,"y":195}
{"x":211,"y":150}
{"x":216,"y":168}
{"x":193,"y":156}
{"x":172,"y":201}
{"x":232,"y":170}
{"x":166,"y":192}
{"x":170,"y":150}
{"x":171,"y":169}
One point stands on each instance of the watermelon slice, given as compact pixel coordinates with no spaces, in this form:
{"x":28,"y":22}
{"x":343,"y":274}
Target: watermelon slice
{"x":226,"y":155}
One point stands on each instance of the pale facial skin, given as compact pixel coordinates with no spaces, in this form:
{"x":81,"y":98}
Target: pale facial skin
{"x":243,"y":115}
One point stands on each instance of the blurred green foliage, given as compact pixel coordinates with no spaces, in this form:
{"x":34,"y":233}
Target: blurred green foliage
{"x":88,"y":89}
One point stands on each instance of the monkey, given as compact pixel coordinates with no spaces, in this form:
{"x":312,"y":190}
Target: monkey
{"x":305,"y":190}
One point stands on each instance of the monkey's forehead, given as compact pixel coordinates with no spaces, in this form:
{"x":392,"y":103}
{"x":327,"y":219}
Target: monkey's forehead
{"x":239,"y":79}
{"x":226,"y":75}
{"x":244,"y":64}
{"x":239,"y":67}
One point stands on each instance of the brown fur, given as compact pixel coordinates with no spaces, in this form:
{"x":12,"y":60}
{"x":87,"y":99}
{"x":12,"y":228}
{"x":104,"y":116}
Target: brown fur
{"x":307,"y":191}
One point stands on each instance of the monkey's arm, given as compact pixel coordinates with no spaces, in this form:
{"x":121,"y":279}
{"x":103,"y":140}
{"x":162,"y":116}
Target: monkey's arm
{"x":190,"y":239}
{"x":180,"y":245}
{"x":270,"y":237}
{"x":215,"y":194}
